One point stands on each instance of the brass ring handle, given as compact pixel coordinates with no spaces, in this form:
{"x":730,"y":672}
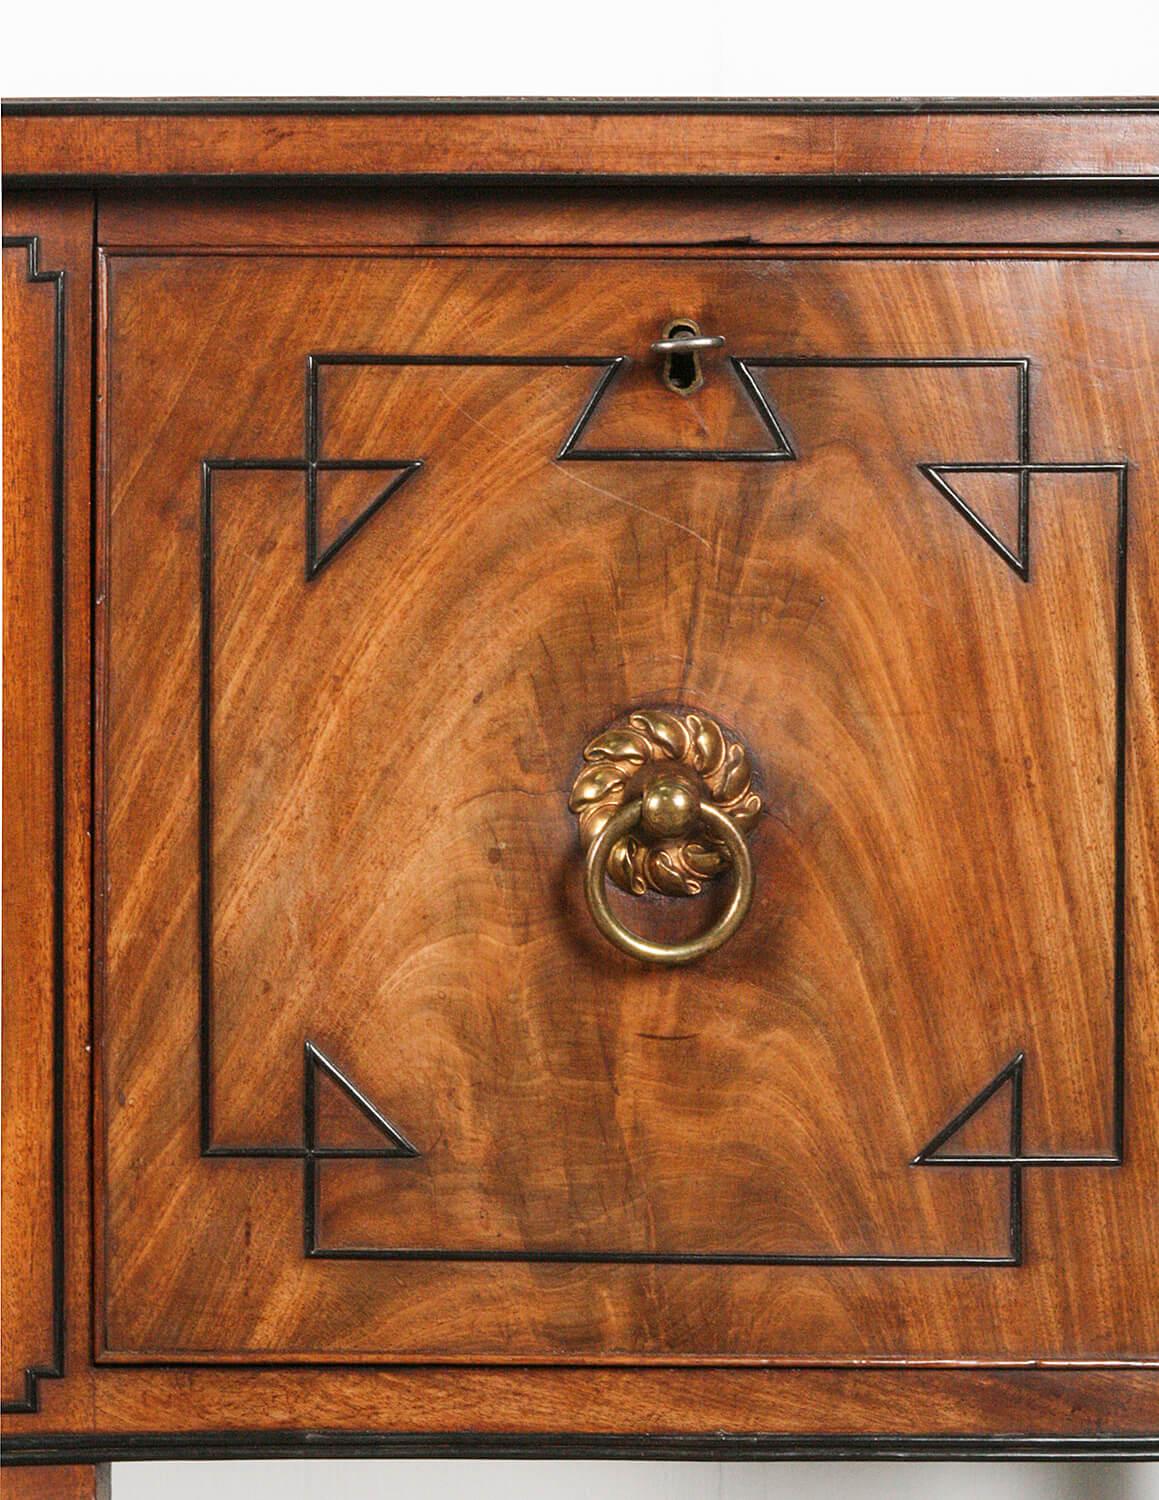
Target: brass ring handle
{"x":688,"y":343}
{"x":659,"y":798}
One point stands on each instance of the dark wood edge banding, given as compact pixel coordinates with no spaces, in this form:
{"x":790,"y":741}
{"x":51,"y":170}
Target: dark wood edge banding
{"x":563,"y":105}
{"x":122,"y":1447}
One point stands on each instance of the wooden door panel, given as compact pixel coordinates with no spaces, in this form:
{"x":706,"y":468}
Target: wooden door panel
{"x":371,"y":582}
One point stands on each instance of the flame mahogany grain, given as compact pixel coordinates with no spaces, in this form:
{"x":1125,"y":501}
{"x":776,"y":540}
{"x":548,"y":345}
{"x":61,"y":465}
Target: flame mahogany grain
{"x":958,"y":865}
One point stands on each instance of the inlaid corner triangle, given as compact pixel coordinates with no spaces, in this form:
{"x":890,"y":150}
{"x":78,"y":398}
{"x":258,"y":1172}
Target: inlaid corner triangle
{"x":343,"y":499}
{"x":345,"y":1122}
{"x":992,"y":500}
{"x":631,"y":414}
{"x":987,"y":1131}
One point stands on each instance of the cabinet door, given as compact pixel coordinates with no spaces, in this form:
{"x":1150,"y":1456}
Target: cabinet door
{"x":387,"y":541}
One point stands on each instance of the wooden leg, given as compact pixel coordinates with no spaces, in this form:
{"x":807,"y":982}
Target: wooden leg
{"x":75,"y":1482}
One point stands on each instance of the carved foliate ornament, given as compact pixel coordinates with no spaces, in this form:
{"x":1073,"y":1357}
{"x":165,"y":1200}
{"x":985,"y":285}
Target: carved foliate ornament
{"x":618,"y":765}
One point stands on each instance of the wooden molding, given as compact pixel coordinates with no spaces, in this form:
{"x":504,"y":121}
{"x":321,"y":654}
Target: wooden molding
{"x":586,"y":139}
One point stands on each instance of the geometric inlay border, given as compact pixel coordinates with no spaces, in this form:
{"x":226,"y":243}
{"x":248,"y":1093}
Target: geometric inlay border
{"x":53,"y":1368}
{"x":781,"y":450}
{"x":1014,"y":1161}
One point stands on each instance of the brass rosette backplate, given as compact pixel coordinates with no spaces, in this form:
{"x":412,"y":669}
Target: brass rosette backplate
{"x":618,"y":765}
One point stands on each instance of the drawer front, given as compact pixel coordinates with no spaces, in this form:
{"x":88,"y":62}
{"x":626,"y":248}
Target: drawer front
{"x":386,"y":542}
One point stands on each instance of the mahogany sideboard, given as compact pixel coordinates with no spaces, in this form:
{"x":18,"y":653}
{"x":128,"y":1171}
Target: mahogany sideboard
{"x":582,"y":728}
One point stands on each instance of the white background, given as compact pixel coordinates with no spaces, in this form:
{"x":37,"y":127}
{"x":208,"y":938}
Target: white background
{"x":625,"y":47}
{"x":633,"y":47}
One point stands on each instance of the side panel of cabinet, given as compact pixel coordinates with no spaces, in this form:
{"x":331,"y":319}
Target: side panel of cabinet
{"x":173,"y":1410}
{"x":47,"y":359}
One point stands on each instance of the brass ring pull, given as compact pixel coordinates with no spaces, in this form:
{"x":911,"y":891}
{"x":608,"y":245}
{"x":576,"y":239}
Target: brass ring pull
{"x":669,"y":808}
